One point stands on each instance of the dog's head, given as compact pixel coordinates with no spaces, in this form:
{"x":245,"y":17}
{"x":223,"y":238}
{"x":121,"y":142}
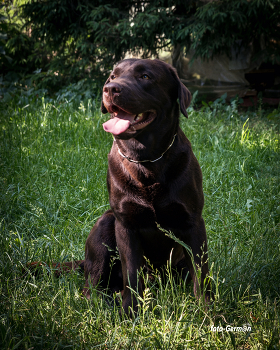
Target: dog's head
{"x":140,"y":91}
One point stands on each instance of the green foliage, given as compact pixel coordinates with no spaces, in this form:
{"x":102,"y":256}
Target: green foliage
{"x":4,"y":59}
{"x":17,"y":44}
{"x":81,"y":36}
{"x":220,"y":26}
{"x":53,"y":165}
{"x":71,"y":40}
{"x":5,"y":28}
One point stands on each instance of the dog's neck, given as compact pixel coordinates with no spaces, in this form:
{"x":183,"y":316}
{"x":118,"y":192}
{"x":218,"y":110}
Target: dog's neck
{"x":146,"y":160}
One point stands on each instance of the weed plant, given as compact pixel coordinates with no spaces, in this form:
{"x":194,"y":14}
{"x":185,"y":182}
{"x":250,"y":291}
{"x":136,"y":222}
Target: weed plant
{"x":53,"y":166}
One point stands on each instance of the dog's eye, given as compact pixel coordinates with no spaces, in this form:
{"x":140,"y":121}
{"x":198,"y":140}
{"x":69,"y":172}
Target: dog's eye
{"x":112,"y":77}
{"x":145,"y":76}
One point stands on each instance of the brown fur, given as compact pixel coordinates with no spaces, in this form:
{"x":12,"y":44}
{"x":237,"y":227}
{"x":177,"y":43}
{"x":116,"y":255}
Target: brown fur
{"x":167,"y":192}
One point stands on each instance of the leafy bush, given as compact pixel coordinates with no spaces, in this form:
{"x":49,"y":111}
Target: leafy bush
{"x":71,"y":40}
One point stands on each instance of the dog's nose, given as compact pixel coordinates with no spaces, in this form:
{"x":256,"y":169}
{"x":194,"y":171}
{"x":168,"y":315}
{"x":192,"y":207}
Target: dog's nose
{"x":112,"y":89}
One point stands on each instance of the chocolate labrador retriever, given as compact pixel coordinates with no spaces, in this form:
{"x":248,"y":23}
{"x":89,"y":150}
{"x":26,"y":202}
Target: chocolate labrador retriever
{"x":153,"y":179}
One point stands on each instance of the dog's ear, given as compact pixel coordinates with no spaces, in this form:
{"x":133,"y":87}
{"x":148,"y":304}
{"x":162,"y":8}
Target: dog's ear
{"x":184,"y":94}
{"x":103,"y":108}
{"x":185,"y":98}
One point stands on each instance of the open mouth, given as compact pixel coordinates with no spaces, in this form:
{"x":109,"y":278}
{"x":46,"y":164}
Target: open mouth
{"x":143,"y":119}
{"x":122,"y":121}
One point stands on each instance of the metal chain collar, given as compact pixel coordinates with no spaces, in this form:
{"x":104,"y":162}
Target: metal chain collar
{"x":145,"y":161}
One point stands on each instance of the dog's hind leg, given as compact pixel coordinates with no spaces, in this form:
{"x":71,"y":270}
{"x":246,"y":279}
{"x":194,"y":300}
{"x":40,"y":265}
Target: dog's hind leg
{"x":198,"y":262}
{"x":99,"y":266}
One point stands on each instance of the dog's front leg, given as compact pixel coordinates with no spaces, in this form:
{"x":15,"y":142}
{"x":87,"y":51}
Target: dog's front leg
{"x":131,"y":255}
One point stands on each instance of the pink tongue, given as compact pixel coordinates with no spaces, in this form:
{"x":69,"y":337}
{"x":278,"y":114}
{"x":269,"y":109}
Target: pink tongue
{"x":118,"y":125}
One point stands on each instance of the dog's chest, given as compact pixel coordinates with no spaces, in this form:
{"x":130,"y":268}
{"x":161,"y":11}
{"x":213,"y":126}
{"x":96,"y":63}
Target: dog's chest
{"x":134,"y":205}
{"x":148,"y":206}
{"x":151,"y":193}
{"x":144,"y":198}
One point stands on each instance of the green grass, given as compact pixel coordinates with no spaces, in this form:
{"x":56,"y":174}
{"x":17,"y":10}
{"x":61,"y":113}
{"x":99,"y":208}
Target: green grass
{"x":53,"y":165}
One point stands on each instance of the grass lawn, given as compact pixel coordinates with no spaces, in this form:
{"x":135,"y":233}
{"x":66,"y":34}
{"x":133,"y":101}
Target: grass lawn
{"x":53,"y":162}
